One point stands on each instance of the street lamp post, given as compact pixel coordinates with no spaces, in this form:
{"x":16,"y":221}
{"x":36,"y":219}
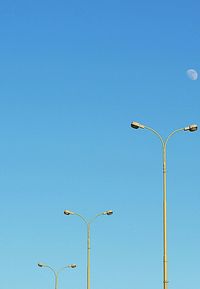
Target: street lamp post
{"x":190,"y":128}
{"x":56,"y":273}
{"x":88,"y":223}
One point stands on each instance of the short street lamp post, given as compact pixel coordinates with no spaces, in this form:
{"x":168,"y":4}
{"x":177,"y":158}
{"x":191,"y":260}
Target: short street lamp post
{"x":56,"y":273}
{"x":190,"y":128}
{"x":88,"y":223}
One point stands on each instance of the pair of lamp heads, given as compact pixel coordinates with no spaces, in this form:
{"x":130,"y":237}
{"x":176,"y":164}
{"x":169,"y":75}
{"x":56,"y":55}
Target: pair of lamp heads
{"x":68,"y":266}
{"x":191,"y":128}
{"x":109,"y":212}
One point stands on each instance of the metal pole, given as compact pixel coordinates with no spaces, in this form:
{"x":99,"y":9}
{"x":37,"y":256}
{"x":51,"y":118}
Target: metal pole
{"x":88,"y":256}
{"x":165,"y":281}
{"x":56,"y":280}
{"x":165,"y":259}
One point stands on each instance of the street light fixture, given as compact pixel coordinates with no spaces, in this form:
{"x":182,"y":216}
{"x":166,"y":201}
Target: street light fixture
{"x":88,"y":223}
{"x":72,"y":266}
{"x":109,"y":212}
{"x":67,"y":212}
{"x":41,"y":265}
{"x":136,"y":125}
{"x":56,"y":273}
{"x":190,"y":128}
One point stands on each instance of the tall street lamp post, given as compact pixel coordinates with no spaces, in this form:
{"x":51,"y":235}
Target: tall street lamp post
{"x":56,"y":273}
{"x":88,"y":223}
{"x":190,"y":128}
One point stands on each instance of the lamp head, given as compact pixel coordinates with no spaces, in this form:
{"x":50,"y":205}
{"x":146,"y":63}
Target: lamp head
{"x":136,"y":125}
{"x":109,"y":212}
{"x":67,"y":212}
{"x":191,"y":128}
{"x":41,"y":265}
{"x":72,"y":266}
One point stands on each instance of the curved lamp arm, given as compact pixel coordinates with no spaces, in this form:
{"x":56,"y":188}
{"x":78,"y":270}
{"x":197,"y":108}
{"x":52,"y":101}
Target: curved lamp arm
{"x":67,"y":212}
{"x":108,"y":212}
{"x":172,"y":133}
{"x":157,"y":134}
{"x":164,"y":142}
{"x":47,"y":266}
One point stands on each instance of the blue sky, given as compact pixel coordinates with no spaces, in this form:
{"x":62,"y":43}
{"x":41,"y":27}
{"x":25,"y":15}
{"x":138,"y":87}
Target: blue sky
{"x":73,"y":75}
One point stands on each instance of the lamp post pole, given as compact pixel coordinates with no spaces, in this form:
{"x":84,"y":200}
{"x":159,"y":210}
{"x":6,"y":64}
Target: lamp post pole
{"x":88,"y":256}
{"x":88,"y":223}
{"x":190,"y":128}
{"x":56,"y":273}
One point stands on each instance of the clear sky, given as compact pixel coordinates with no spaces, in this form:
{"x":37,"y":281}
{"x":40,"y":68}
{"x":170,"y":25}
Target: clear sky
{"x":73,"y":75}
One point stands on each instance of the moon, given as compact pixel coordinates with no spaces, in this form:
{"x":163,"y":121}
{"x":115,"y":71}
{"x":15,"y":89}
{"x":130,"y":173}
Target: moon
{"x":192,"y":74}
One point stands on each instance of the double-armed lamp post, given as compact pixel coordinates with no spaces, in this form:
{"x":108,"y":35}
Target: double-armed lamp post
{"x":190,"y":128}
{"x":88,"y":223}
{"x":56,"y":273}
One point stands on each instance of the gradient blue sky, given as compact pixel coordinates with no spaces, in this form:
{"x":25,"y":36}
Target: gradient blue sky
{"x":73,"y":75}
